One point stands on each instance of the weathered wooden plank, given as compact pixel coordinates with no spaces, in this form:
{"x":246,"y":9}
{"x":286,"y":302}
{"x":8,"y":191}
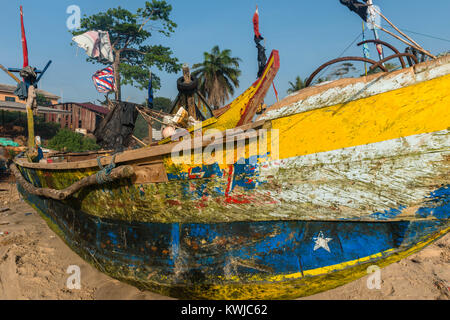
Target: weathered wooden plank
{"x":134,"y":155}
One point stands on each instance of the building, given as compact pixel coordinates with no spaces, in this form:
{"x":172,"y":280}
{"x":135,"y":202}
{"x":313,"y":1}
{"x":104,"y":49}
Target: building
{"x":7,"y":94}
{"x":82,"y":115}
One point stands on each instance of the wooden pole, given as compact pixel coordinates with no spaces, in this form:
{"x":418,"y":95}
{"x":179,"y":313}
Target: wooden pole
{"x":139,"y":141}
{"x":32,"y":152}
{"x":408,"y":43}
{"x":398,"y":30}
{"x":9,"y":73}
{"x":365,"y":64}
{"x":375,"y":33}
{"x":150,"y":132}
{"x":30,"y":119}
{"x":189,"y":98}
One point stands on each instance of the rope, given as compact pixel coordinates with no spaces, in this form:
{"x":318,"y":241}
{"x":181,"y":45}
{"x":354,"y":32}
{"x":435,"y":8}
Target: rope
{"x":103,"y":175}
{"x":345,"y":50}
{"x":418,"y":33}
{"x":144,"y":115}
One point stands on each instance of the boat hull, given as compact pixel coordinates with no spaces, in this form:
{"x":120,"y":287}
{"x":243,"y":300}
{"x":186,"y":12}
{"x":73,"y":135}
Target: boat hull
{"x":239,"y":260}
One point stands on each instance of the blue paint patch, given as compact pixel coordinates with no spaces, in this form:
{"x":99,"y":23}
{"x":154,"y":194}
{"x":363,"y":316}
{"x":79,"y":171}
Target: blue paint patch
{"x":175,"y":241}
{"x":437,"y":204}
{"x":246,"y":173}
{"x":208,"y":171}
{"x":388,"y":214}
{"x":141,"y":191}
{"x":113,"y":237}
{"x":177,"y":176}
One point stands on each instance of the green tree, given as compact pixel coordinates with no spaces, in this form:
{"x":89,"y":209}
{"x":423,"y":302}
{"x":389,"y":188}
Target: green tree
{"x":141,"y":126}
{"x":66,"y":140}
{"x":45,"y":130}
{"x":129,"y":33}
{"x":162,"y":104}
{"x":296,"y":86}
{"x":42,"y":100}
{"x":218,"y":75}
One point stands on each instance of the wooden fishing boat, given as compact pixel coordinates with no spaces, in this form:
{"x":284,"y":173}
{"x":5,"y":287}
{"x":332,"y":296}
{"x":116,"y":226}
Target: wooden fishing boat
{"x":328,"y":182}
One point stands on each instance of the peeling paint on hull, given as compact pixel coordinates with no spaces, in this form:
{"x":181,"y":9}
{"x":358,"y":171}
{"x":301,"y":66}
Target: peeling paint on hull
{"x":239,"y":260}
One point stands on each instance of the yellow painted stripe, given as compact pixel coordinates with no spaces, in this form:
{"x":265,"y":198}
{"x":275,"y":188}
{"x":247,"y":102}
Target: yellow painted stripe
{"x":230,"y":118}
{"x":420,"y":108}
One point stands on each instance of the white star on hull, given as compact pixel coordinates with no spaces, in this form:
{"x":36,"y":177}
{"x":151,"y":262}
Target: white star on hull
{"x":321,"y":242}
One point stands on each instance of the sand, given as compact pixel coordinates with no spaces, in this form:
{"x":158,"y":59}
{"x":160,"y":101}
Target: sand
{"x":34,"y":263}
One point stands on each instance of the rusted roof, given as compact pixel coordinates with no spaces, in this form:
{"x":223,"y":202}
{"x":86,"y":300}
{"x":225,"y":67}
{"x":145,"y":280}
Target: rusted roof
{"x":87,"y":105}
{"x":94,"y":107}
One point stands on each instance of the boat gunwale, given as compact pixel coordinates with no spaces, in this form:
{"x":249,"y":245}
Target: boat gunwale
{"x":130,"y":156}
{"x":311,"y":91}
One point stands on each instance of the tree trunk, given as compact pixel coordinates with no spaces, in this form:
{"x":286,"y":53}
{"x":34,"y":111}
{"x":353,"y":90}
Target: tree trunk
{"x":116,"y":67}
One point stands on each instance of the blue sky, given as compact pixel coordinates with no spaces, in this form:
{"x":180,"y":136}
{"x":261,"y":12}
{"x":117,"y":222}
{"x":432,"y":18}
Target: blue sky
{"x":306,"y":32}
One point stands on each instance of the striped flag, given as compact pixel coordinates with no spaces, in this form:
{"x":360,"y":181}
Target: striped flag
{"x":104,"y":80}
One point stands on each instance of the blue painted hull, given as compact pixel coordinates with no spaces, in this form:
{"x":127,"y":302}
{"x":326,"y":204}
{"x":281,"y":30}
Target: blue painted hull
{"x":191,"y":260}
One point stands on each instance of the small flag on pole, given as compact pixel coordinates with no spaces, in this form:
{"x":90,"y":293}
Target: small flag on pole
{"x":104,"y":80}
{"x":256,"y":24}
{"x":24,"y":40}
{"x":150,"y":93}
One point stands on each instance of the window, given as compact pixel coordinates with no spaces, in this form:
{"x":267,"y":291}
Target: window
{"x":10,"y":99}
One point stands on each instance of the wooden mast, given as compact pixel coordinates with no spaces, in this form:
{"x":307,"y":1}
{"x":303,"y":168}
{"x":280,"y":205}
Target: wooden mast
{"x":189,"y":97}
{"x":31,"y":100}
{"x":150,"y":129}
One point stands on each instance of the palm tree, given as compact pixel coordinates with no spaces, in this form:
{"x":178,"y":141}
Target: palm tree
{"x":218,"y":75}
{"x":298,"y":85}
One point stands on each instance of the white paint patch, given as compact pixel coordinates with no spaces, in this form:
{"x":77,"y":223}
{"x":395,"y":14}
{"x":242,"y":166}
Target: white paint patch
{"x":321,"y":242}
{"x":358,"y":181}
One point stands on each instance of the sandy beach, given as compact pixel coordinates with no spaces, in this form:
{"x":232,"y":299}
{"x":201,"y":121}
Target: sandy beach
{"x":34,"y":262}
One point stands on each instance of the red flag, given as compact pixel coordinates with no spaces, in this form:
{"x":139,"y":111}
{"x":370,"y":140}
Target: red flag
{"x":256,"y":24}
{"x":24,"y":41}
